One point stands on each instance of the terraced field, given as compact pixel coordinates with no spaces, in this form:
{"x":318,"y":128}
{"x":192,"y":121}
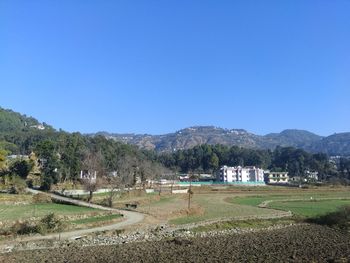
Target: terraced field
{"x":17,"y":212}
{"x":307,"y":203}
{"x":310,"y":208}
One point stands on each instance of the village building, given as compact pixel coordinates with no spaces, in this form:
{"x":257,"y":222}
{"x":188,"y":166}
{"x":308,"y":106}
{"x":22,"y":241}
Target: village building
{"x":311,"y":175}
{"x":297,"y":179}
{"x":88,"y":175}
{"x":276,"y":177}
{"x":39,"y":127}
{"x":241,"y":174}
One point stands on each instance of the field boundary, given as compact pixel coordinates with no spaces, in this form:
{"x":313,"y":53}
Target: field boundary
{"x":131,"y":218}
{"x":282,"y":214}
{"x":265,"y":204}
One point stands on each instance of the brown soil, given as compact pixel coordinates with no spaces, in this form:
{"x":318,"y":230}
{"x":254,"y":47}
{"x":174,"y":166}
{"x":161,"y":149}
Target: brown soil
{"x":308,"y":243}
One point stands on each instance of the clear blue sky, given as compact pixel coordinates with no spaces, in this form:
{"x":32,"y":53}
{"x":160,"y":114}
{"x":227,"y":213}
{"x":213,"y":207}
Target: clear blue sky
{"x":159,"y":66}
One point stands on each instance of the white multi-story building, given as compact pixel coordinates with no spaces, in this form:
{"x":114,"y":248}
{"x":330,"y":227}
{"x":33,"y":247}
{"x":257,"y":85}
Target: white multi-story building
{"x":241,"y":174}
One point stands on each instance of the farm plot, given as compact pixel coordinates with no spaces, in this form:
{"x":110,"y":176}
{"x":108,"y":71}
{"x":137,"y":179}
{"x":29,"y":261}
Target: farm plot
{"x":310,"y":243}
{"x":306,"y":203}
{"x":216,"y":206}
{"x":309,"y":208}
{"x":23,"y":209}
{"x":255,"y":200}
{"x":18,"y":212}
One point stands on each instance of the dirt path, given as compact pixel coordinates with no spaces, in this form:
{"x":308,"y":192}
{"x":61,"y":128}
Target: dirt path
{"x":130,"y":217}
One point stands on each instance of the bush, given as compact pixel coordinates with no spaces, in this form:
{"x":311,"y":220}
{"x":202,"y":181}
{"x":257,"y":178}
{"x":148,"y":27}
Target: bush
{"x":24,"y":228}
{"x":18,"y":185}
{"x":50,"y":223}
{"x":21,"y":168}
{"x":46,"y":183}
{"x":41,"y":198}
{"x":339,"y":219}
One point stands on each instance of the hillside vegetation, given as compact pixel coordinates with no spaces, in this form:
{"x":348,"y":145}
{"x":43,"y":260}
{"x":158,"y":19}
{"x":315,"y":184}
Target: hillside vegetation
{"x":337,"y":144}
{"x":63,"y":155}
{"x":66,"y":154}
{"x":12,"y":121}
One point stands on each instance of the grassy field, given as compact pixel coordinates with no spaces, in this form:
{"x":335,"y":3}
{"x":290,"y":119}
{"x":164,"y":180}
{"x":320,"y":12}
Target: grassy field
{"x":14,"y":208}
{"x":307,"y":203}
{"x":211,"y":203}
{"x":173,"y":207}
{"x":8,"y":198}
{"x":216,"y":206}
{"x":309,"y":208}
{"x":254,"y":200}
{"x":17,"y":212}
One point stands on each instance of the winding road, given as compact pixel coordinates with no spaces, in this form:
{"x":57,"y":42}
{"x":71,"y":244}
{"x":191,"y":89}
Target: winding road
{"x":130,"y":218}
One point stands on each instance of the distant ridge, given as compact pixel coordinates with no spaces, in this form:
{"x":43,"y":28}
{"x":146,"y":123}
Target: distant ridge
{"x":336,"y":144}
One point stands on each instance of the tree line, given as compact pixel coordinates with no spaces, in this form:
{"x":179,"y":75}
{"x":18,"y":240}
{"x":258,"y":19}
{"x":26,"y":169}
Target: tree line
{"x":208,"y":158}
{"x":63,"y":155}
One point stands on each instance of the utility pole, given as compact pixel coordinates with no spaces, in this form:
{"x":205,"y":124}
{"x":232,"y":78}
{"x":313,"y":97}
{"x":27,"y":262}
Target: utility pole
{"x":149,"y":202}
{"x":190,"y":193}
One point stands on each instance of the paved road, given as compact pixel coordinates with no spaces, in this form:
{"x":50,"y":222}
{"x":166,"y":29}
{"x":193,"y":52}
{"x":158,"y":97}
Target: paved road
{"x":130,"y":217}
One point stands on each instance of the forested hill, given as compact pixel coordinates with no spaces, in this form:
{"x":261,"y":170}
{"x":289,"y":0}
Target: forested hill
{"x":188,"y":138}
{"x":337,"y":144}
{"x":66,"y":154}
{"x":18,"y":133}
{"x":295,"y":138}
{"x":13,"y":121}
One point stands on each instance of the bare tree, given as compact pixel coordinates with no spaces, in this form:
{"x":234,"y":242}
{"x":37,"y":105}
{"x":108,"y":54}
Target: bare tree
{"x":190,"y":192}
{"x":115,"y":186}
{"x":172,"y":178}
{"x":126,"y":170}
{"x":133,"y":172}
{"x":92,"y":173}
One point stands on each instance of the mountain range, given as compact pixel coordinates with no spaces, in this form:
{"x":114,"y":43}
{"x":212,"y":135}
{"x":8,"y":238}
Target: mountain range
{"x":336,"y":144}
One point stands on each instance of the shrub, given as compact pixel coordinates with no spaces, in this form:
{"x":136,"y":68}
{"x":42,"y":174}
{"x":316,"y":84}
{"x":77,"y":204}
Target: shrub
{"x":24,"y":228}
{"x":46,"y":183}
{"x":18,"y":185}
{"x":50,"y":223}
{"x":21,"y":168}
{"x":41,"y":198}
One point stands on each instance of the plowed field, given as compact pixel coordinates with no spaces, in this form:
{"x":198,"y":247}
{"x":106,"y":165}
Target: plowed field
{"x":306,"y":243}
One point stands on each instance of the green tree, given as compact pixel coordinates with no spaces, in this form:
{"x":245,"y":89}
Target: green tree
{"x":344,"y":168}
{"x":49,"y":163}
{"x":214,"y":162}
{"x":2,"y":159}
{"x":21,"y":168}
{"x":71,"y":149}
